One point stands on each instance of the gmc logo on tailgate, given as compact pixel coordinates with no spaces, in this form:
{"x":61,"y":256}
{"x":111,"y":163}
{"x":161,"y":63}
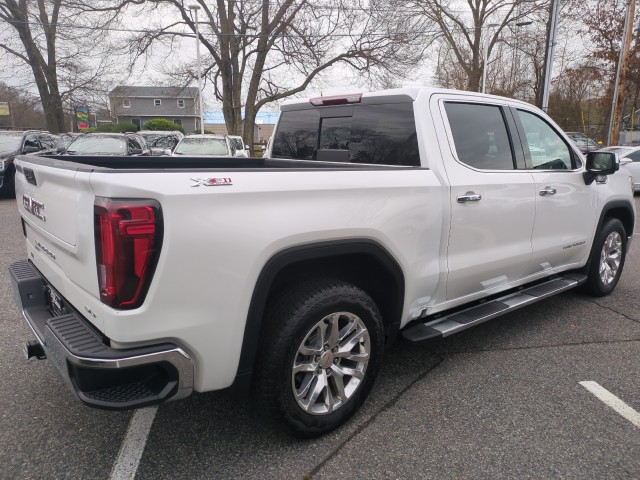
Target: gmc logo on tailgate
{"x":34,"y":207}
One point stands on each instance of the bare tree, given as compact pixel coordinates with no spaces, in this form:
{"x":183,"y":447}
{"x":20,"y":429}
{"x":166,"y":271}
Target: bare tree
{"x":264,"y":51}
{"x":461,"y":30}
{"x":64,"y":45}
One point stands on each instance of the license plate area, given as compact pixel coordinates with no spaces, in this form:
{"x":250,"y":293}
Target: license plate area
{"x":55,"y":302}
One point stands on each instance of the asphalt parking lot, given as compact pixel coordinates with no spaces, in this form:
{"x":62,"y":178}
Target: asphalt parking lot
{"x":502,"y":400}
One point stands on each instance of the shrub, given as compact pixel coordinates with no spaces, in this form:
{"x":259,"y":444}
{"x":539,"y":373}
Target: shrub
{"x":123,"y":127}
{"x":162,"y":124}
{"x":104,"y":128}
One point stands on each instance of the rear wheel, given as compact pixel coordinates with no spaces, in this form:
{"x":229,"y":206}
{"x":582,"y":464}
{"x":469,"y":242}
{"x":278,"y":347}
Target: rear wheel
{"x":607,"y":258}
{"x":319,"y":356}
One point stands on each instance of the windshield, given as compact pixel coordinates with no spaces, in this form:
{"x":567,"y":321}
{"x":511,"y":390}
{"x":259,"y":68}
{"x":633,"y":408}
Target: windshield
{"x":203,"y":146}
{"x":150,"y":137}
{"x":10,"y":142}
{"x":99,"y":145}
{"x":161,"y":142}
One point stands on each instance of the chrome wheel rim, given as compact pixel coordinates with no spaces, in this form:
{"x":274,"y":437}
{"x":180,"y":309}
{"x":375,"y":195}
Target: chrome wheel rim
{"x":610,"y":258}
{"x":330,"y":363}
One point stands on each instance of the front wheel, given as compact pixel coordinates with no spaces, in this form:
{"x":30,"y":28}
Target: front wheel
{"x":607,"y":258}
{"x":319,"y":355}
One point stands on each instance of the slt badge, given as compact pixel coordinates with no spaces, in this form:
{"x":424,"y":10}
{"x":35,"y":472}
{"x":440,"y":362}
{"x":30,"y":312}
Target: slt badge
{"x":211,"y":182}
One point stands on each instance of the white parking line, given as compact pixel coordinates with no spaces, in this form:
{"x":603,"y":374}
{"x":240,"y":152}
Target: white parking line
{"x":614,"y":402}
{"x":132,"y":447}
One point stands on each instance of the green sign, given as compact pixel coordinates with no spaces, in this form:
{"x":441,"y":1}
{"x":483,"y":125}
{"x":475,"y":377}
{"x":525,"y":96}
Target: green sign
{"x":4,"y":109}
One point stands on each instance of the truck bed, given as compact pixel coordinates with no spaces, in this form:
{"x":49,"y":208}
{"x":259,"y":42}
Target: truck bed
{"x":193,"y":163}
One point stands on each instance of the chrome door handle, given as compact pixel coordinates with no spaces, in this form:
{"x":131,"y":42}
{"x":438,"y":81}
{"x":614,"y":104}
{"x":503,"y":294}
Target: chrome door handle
{"x":547,"y":191}
{"x":469,"y":197}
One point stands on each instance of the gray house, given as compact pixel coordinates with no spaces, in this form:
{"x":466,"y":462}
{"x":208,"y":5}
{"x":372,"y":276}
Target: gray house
{"x":138,"y":105}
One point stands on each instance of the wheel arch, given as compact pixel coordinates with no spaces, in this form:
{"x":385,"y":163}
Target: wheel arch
{"x":623,"y":211}
{"x":620,"y":209}
{"x":363,"y":262}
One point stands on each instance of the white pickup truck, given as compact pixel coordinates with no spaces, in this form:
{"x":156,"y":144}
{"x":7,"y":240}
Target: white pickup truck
{"x":412,"y":213}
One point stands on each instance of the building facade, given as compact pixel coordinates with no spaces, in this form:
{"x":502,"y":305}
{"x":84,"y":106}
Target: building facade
{"x":262,"y":130}
{"x":138,"y":105}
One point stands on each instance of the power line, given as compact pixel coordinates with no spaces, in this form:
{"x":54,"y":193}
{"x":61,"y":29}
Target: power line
{"x":249,"y":35}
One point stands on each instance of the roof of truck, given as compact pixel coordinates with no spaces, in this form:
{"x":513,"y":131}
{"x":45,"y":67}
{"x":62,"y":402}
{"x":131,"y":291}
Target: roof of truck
{"x":396,"y":95}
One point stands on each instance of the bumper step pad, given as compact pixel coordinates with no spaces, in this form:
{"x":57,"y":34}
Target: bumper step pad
{"x":100,"y":375}
{"x":449,"y":324}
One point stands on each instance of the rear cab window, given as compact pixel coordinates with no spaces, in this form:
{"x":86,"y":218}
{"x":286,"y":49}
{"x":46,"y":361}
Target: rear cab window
{"x":379,"y":134}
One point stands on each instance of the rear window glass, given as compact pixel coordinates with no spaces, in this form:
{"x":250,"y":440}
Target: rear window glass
{"x":374,"y":134}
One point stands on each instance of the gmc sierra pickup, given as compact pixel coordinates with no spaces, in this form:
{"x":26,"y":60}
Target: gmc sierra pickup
{"x":412,"y":213}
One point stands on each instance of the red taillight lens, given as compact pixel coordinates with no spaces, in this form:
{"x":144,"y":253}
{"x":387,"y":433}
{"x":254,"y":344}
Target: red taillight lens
{"x":128,"y":236}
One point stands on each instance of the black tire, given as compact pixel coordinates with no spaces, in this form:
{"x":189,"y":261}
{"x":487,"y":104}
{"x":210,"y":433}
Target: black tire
{"x":607,"y":258}
{"x":291,"y":323}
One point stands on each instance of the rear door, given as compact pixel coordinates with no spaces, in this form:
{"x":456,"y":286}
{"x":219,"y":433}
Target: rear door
{"x":492,"y":198}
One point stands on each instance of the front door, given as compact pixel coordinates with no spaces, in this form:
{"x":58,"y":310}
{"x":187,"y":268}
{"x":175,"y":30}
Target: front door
{"x":565,"y":206}
{"x":492,"y":199}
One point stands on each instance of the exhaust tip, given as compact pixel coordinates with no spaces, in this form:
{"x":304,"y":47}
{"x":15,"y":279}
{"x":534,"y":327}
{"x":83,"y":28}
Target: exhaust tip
{"x":32,"y":348}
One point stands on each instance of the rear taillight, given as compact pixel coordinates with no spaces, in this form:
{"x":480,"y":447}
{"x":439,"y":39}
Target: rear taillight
{"x":128,"y":235}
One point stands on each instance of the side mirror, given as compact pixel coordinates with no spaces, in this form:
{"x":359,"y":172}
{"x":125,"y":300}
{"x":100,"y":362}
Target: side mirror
{"x":239,"y":153}
{"x":600,"y":164}
{"x":136,"y":151}
{"x":60,"y":150}
{"x":30,"y":149}
{"x":167,"y":151}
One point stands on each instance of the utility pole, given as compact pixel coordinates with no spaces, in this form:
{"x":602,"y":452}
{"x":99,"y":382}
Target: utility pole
{"x":552,"y":27}
{"x":621,"y":76}
{"x":195,"y":8}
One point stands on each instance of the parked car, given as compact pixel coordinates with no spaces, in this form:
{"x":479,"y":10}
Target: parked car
{"x":161,"y":140}
{"x":204,"y":145}
{"x":629,"y":159}
{"x":124,"y":144}
{"x":14,"y":143}
{"x":240,"y":149}
{"x":584,"y":143}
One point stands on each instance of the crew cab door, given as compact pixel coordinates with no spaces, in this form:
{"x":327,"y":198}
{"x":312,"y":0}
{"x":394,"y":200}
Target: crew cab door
{"x":566,"y":207}
{"x":492,"y":198}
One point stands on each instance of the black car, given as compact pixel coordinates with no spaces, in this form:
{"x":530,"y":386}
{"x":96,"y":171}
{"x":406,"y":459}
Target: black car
{"x":14,"y":143}
{"x":124,"y":144}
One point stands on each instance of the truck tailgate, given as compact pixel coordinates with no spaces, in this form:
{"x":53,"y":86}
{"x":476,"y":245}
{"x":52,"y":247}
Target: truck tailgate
{"x":56,"y":204}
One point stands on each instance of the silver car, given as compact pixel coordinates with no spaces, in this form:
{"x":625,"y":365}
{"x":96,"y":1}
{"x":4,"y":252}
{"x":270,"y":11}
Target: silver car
{"x":203,"y":146}
{"x":630,"y":160}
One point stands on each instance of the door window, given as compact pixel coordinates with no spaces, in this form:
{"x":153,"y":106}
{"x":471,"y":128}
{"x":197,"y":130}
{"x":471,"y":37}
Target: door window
{"x":31,"y":141}
{"x":547,"y":148}
{"x":480,"y":136}
{"x":134,"y":144}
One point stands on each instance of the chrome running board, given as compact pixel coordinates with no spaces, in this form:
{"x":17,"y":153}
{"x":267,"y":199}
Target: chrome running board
{"x":446,"y":325}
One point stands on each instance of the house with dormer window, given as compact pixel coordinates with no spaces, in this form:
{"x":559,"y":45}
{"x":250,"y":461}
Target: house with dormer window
{"x":138,"y":105}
